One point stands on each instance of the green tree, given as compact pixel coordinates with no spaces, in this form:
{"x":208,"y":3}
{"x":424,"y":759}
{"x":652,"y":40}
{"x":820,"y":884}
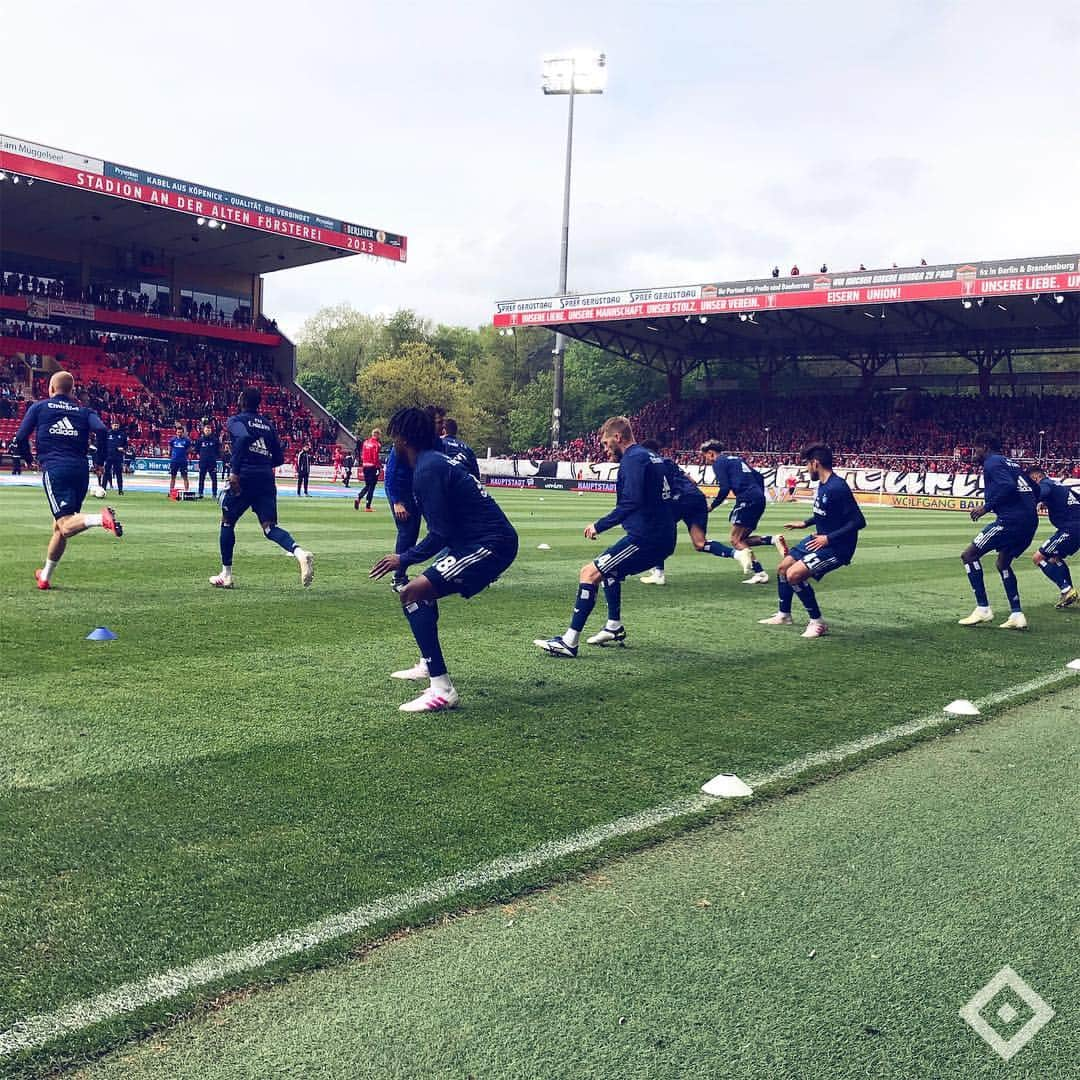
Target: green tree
{"x":414,"y":375}
{"x":338,"y":341}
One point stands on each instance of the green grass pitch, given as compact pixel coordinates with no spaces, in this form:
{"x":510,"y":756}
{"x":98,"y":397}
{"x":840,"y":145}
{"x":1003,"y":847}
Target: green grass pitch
{"x":235,"y":764}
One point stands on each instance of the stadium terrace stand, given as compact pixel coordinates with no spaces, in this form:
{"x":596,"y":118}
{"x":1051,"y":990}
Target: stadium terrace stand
{"x":150,"y":289}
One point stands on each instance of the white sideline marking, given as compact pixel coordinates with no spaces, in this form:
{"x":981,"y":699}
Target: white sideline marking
{"x":38,"y":1031}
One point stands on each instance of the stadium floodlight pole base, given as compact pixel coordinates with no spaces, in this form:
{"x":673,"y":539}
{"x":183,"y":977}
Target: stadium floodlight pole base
{"x":961,"y":707}
{"x":1073,"y":665}
{"x":727,"y":786}
{"x":101,"y":633}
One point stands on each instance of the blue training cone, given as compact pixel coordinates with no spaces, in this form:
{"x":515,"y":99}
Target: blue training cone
{"x":101,"y":633}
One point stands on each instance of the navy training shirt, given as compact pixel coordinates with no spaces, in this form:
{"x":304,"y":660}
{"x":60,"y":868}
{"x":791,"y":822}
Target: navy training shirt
{"x":683,"y":489}
{"x":734,"y":475}
{"x":837,"y":516}
{"x":1062,"y":503}
{"x":61,"y":429}
{"x":641,"y":507}
{"x":179,"y":445}
{"x":458,"y":510}
{"x":256,"y":451}
{"x":1008,"y":492}
{"x":209,"y":448}
{"x":397,"y":481}
{"x":461,"y":453}
{"x":115,"y":445}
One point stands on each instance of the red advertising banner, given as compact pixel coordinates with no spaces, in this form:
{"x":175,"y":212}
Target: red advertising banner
{"x":122,"y":182}
{"x":973,"y":282}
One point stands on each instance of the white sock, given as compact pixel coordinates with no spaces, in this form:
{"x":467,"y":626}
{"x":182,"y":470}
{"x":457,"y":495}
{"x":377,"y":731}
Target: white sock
{"x":298,"y":552}
{"x":441,"y":683}
{"x":611,"y":624}
{"x":226,"y":571}
{"x":91,"y":520}
{"x":50,"y":566}
{"x":571,"y":637}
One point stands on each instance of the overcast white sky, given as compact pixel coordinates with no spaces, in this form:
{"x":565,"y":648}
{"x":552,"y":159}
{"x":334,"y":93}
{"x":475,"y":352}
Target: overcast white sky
{"x":734,"y":133}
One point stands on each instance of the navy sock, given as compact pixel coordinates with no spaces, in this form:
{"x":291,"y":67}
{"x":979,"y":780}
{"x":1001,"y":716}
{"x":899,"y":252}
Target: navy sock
{"x":583,"y":605}
{"x":766,"y":540}
{"x":613,"y":596}
{"x":424,"y":623}
{"x":806,"y":594}
{"x":660,"y":566}
{"x":1012,"y":589}
{"x":281,"y":538}
{"x":227,"y":541}
{"x":756,"y":566}
{"x":722,"y":551}
{"x":785,"y":592}
{"x":1066,"y":576}
{"x":978,"y":585}
{"x":1055,"y":572}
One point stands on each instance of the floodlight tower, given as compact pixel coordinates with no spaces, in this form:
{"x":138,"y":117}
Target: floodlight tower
{"x":583,"y":71}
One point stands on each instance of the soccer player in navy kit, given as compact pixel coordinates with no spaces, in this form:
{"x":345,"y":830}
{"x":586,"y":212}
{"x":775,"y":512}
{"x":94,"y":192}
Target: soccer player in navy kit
{"x":1063,"y":506}
{"x":115,"y":444}
{"x":256,"y":452}
{"x":1009,"y":493}
{"x":687,"y":505}
{"x":398,"y":487}
{"x":461,"y":517}
{"x":179,"y":445}
{"x":748,"y":487}
{"x":61,"y":428}
{"x":837,"y":520}
{"x":642,"y":508}
{"x":456,"y":450}
{"x":208,"y":447}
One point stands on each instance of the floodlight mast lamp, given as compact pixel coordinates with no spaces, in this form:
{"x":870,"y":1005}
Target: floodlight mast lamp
{"x":583,"y":72}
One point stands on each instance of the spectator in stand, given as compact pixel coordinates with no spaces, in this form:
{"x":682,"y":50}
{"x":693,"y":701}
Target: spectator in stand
{"x":776,"y":271}
{"x":794,"y":271}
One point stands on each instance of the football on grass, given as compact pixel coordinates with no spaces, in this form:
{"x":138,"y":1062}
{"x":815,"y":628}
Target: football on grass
{"x":99,"y":492}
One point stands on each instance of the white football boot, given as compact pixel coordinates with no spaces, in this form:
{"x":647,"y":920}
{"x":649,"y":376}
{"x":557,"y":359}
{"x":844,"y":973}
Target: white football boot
{"x":979,"y":615}
{"x":307,"y":566}
{"x":222,"y":581}
{"x":1015,"y":621}
{"x":781,"y":545}
{"x":609,"y":637}
{"x":760,"y":578}
{"x":779,"y":619}
{"x":653,"y":577}
{"x":745,"y":558}
{"x":556,"y":647}
{"x":816,"y":628}
{"x":432,"y":700}
{"x":419,"y":670}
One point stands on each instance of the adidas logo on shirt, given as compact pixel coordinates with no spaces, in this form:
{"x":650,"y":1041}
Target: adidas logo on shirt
{"x":259,"y":447}
{"x":63,"y":426}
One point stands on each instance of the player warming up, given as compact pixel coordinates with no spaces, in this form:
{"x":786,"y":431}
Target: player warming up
{"x":457,"y":450}
{"x":179,"y":448}
{"x":642,"y":498}
{"x":61,"y":428}
{"x":747,"y":486}
{"x":398,"y":487}
{"x":461,"y":517}
{"x":256,"y":452}
{"x":687,"y":505}
{"x":1063,"y":505}
{"x":1009,"y":493}
{"x":837,"y":520}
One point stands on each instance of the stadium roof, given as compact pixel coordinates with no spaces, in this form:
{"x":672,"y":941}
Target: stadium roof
{"x":974,"y":310}
{"x":96,"y":201}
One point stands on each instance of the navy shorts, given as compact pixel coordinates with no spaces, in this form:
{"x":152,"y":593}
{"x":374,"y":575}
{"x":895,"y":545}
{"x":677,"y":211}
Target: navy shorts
{"x":821,"y":562}
{"x":471,"y":569}
{"x":65,"y":488}
{"x":259,"y":496}
{"x":1010,"y":538}
{"x":693,"y":512}
{"x":632,"y":556}
{"x":1062,"y":544}
{"x":177,"y":467}
{"x":747,"y":510}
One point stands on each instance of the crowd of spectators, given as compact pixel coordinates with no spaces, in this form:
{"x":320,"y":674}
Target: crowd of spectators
{"x":117,"y":298}
{"x":920,"y":432}
{"x":176,"y":382}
